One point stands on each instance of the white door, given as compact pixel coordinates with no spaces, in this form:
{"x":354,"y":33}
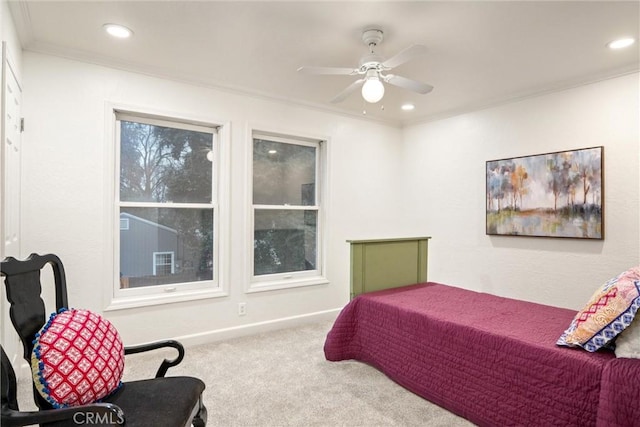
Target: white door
{"x":11,"y":180}
{"x":10,"y":171}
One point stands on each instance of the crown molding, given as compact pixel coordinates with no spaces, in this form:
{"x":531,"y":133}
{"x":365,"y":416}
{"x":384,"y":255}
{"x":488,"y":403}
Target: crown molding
{"x":158,"y":72}
{"x":521,"y":96}
{"x":22,"y":20}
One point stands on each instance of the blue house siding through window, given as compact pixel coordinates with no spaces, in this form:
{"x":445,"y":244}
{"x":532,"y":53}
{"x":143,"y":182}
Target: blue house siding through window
{"x":144,"y":245}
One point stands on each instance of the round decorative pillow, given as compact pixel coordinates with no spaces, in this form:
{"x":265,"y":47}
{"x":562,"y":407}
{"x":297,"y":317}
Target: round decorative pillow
{"x":77,"y":358}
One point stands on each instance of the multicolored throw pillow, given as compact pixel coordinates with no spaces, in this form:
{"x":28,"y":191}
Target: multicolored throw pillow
{"x":77,"y":358}
{"x":609,"y":311}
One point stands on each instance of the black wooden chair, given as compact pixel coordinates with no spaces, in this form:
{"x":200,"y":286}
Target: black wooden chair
{"x":160,"y":401}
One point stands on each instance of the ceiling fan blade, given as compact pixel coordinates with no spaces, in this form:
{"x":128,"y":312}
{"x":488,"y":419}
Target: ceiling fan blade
{"x":406,"y":83}
{"x":405,"y":55}
{"x":327,"y":70}
{"x":348,"y":91}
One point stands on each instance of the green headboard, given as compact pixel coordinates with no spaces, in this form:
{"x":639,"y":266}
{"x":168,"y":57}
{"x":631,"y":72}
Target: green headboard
{"x":387,"y":263}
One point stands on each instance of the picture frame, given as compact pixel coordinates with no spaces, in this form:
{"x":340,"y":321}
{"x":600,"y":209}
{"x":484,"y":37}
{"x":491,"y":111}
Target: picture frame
{"x":558,"y":194}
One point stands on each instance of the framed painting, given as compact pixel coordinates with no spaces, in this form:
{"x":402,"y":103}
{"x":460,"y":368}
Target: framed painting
{"x":557,"y":194}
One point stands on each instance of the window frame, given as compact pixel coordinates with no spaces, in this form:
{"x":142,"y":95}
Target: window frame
{"x":123,"y":298}
{"x":267,"y":282}
{"x":171,"y":263}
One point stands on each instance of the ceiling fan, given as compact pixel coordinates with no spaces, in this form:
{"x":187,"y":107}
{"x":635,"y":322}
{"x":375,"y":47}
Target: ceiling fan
{"x":372,"y":69}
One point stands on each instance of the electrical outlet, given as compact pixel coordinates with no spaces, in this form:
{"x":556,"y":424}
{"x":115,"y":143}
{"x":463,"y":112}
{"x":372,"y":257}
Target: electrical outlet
{"x":242,"y":308}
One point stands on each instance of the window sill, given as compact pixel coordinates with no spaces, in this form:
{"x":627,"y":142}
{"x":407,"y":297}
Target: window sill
{"x":286,"y":284}
{"x":123,"y":303}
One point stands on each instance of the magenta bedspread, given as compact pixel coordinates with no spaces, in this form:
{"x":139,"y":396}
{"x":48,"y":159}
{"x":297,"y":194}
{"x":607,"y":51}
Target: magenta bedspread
{"x":489,"y":359}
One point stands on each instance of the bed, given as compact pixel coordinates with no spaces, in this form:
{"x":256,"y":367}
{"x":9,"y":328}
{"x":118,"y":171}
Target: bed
{"x":491,"y":360}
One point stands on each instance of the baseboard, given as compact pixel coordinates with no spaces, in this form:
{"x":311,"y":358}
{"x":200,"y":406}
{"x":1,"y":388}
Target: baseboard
{"x":257,"y":328}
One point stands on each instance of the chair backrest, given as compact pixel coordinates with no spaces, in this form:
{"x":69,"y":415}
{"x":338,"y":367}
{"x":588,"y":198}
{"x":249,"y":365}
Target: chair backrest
{"x":23,"y":286}
{"x":27,"y":309}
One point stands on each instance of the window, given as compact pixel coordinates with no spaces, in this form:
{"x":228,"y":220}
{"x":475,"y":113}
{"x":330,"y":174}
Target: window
{"x":163,"y":263}
{"x":286,"y":212}
{"x":167,"y":205}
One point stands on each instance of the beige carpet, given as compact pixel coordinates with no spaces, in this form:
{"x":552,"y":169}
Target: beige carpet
{"x":281,"y":378}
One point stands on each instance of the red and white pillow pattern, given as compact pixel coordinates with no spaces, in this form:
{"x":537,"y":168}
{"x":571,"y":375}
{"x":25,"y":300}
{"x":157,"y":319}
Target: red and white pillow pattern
{"x":78,"y":358}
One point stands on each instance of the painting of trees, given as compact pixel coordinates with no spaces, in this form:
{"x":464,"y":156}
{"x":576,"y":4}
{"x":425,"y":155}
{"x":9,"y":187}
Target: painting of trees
{"x":552,"y":195}
{"x":506,"y":185}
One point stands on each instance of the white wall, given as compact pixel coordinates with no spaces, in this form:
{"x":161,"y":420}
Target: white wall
{"x":384,"y":182}
{"x":65,"y":206}
{"x":444,"y":162}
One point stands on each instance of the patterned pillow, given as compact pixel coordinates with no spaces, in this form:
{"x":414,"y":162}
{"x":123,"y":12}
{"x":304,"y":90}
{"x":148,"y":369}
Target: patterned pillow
{"x":609,"y":311}
{"x":628,"y":342}
{"x":77,"y":358}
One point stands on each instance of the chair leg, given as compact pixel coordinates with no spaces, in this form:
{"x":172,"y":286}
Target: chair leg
{"x":200,"y":420}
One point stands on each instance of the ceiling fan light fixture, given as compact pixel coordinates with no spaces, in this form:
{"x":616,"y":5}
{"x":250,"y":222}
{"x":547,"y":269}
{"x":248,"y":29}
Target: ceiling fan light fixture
{"x":372,"y":69}
{"x":372,"y":89}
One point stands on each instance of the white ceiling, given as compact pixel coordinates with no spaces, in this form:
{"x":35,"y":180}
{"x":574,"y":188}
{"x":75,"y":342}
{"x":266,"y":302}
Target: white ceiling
{"x":480,"y":53}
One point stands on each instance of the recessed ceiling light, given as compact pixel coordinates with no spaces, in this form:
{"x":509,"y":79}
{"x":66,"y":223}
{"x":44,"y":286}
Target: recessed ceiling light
{"x":621,"y":43}
{"x":408,"y":107}
{"x":118,"y":31}
{"x":272,"y":151}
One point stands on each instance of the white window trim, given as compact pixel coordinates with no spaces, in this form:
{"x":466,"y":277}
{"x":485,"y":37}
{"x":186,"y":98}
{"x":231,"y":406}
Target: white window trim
{"x":166,"y":294}
{"x":269,"y":282}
